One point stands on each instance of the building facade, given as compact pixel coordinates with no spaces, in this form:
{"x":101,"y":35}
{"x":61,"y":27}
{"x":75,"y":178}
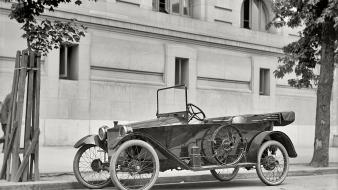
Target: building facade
{"x":220,"y":49}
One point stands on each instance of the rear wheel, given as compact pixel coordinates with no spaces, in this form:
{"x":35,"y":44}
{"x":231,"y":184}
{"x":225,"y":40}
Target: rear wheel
{"x":91,"y":167}
{"x":272,"y":163}
{"x":225,"y":174}
{"x":134,"y":165}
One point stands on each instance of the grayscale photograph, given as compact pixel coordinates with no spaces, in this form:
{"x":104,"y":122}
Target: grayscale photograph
{"x":169,"y":94}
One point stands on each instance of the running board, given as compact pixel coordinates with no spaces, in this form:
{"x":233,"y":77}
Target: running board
{"x":214,"y":167}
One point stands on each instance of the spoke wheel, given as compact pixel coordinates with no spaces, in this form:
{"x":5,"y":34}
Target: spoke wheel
{"x":272,"y":163}
{"x":225,"y":174}
{"x":135,"y":165}
{"x":227,"y":145}
{"x":91,"y":167}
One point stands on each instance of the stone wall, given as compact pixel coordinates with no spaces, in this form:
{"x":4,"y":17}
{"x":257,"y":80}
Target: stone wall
{"x":129,"y":52}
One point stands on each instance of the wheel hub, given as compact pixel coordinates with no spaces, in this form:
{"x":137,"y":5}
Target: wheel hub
{"x":270,"y":163}
{"x":225,"y":145}
{"x":96,"y":165}
{"x":134,"y":166}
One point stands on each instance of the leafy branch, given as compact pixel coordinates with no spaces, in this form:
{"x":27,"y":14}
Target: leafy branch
{"x":43,"y":35}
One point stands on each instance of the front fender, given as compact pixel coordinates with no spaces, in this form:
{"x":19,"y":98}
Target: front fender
{"x":270,"y":135}
{"x":91,"y":140}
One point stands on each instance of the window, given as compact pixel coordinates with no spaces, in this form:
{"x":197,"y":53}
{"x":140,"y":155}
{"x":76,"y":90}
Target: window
{"x":181,"y":71}
{"x":264,"y":82}
{"x":161,"y":6}
{"x":179,"y":7}
{"x":246,"y":14}
{"x":68,"y":62}
{"x":254,"y":15}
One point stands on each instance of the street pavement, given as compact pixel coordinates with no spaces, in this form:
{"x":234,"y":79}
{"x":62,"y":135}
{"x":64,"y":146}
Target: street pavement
{"x":185,"y":179}
{"x":315,"y":182}
{"x":59,"y":159}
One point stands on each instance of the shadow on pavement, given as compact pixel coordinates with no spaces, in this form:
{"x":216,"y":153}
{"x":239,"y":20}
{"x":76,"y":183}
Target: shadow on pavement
{"x":213,"y":184}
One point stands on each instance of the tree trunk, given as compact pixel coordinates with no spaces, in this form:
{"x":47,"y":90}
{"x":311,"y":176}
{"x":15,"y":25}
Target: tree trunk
{"x":322,"y":132}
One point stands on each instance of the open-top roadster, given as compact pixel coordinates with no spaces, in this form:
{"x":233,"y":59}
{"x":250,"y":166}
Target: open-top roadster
{"x":132,"y":155}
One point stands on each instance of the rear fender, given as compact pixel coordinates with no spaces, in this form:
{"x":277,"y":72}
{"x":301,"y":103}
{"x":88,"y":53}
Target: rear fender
{"x":270,"y":135}
{"x":153,"y":142}
{"x":90,"y":140}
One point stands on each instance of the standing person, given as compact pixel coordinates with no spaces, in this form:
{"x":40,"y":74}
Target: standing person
{"x":4,"y":114}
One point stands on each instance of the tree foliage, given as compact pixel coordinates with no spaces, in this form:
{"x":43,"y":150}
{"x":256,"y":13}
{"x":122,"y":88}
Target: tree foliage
{"x":303,"y":55}
{"x":45,"y":34}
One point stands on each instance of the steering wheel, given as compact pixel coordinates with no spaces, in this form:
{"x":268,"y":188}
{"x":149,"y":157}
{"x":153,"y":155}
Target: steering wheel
{"x":195,"y":112}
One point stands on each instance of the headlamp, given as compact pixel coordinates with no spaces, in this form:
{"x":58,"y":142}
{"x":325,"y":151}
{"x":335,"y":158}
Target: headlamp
{"x":103,"y":132}
{"x":123,"y":130}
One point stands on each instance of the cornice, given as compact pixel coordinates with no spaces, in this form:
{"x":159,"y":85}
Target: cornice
{"x":146,"y":30}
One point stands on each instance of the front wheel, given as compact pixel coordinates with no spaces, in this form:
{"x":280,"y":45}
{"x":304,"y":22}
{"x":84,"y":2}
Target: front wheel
{"x":272,"y":163}
{"x":91,"y":167}
{"x":134,"y":165}
{"x":225,"y":174}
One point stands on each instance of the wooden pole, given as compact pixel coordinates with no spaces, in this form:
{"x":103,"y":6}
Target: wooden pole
{"x":19,"y":111}
{"x":36,"y":125}
{"x":29,"y":105}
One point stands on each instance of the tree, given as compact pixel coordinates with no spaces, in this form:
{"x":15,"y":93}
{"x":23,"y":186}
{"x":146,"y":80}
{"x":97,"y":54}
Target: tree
{"x":317,"y":44}
{"x":43,"y":35}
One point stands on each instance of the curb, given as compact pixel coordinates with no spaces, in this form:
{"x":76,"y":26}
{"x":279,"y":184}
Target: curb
{"x":40,"y":185}
{"x":55,"y":185}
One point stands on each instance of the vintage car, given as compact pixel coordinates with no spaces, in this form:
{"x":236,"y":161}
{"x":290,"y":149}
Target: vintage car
{"x":132,"y":155}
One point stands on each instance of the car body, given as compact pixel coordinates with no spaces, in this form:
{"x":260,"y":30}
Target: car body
{"x":173,"y":141}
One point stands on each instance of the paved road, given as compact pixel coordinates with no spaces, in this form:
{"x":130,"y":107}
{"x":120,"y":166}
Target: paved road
{"x":316,"y":182}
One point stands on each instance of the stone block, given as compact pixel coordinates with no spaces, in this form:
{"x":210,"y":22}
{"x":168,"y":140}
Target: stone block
{"x":68,"y":89}
{"x":146,"y":94}
{"x":79,"y":109}
{"x":121,"y":111}
{"x":64,"y":132}
{"x":100,"y":109}
{"x":142,"y":111}
{"x":55,"y":108}
{"x":214,"y":64}
{"x":129,"y":52}
{"x":49,"y":88}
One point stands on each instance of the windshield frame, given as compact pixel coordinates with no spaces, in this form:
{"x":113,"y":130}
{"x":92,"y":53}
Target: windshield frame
{"x":179,"y":113}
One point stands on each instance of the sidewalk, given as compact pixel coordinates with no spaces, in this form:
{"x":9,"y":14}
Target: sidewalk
{"x":56,"y":170}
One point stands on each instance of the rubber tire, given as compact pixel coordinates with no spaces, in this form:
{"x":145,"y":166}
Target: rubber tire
{"x":77,"y":172}
{"x":233,"y":174}
{"x":259,"y":155}
{"x":117,"y":153}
